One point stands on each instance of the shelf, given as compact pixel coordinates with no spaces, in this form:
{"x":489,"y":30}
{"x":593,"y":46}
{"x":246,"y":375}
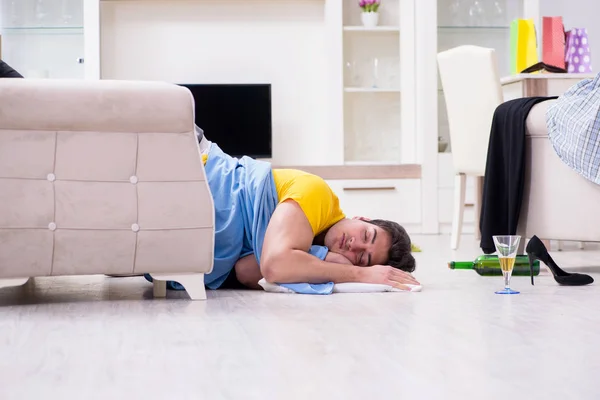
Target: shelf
{"x":375,"y":29}
{"x":56,"y":30}
{"x":474,"y":28}
{"x":370,"y":90}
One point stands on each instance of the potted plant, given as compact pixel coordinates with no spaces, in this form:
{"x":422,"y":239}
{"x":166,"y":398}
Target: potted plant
{"x":370,"y":14}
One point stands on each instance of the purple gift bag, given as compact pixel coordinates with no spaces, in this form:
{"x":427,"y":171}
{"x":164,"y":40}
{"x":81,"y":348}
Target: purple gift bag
{"x":577,"y":51}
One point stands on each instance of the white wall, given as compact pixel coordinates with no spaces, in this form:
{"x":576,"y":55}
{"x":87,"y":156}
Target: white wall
{"x":235,"y":41}
{"x":578,"y":14}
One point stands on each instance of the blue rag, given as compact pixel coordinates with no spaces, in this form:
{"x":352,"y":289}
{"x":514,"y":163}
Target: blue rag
{"x":245,"y":197}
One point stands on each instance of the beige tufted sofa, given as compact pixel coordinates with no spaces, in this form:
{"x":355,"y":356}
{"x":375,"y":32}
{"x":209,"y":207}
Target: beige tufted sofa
{"x":558,"y":203}
{"x":102,"y":177}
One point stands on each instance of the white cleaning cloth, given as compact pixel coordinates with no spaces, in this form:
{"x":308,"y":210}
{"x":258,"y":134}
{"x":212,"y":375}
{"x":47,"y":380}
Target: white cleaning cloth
{"x":343,"y":288}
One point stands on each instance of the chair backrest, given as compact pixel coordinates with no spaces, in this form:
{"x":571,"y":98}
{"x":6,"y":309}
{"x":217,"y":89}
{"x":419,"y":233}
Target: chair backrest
{"x":472,"y":91}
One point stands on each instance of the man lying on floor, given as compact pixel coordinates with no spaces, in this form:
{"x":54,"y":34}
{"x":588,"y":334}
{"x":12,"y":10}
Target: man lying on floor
{"x":287,"y":226}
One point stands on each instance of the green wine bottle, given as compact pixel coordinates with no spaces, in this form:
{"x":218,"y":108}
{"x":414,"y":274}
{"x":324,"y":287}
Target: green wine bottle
{"x":488,"y":265}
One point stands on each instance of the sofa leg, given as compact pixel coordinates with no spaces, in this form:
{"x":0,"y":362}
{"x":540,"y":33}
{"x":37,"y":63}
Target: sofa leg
{"x":460,"y":187}
{"x":13,"y":282}
{"x":159,"y":288}
{"x":193,"y":284}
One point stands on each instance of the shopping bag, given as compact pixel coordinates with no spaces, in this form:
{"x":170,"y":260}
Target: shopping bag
{"x":523,"y":43}
{"x":577,"y":51}
{"x":514,"y":30}
{"x":543,"y":68}
{"x":553,"y":42}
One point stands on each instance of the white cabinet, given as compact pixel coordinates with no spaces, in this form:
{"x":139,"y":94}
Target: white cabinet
{"x":394,"y":199}
{"x":49,"y":38}
{"x":378,"y":87}
{"x":370,"y":90}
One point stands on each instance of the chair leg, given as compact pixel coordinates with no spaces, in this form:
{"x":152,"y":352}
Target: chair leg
{"x":460,"y":187}
{"x":478,"y":200}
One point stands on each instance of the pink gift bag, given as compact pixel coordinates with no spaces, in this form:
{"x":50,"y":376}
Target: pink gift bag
{"x":553,"y":40}
{"x":577,"y":51}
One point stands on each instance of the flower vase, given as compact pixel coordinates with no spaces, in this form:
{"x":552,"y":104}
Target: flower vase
{"x":370,"y":19}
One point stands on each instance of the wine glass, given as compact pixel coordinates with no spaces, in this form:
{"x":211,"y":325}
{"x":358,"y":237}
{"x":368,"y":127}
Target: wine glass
{"x":476,"y":13}
{"x":507,"y":247}
{"x":353,"y":76}
{"x":67,"y":12}
{"x":376,"y":72}
{"x":457,"y":13}
{"x":40,"y":12}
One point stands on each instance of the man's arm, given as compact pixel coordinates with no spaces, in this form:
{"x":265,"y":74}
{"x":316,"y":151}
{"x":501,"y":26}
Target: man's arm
{"x":285,"y":257}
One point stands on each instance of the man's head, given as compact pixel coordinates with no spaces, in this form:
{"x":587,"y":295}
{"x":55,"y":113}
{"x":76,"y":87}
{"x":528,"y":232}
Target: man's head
{"x":370,"y":242}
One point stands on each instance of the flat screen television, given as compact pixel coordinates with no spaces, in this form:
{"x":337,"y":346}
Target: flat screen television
{"x":235,"y":116}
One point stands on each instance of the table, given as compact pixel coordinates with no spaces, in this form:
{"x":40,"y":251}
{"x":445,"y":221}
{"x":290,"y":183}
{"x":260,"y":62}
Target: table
{"x":542,"y":84}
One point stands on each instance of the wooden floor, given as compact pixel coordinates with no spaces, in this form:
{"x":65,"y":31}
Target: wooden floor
{"x":106,"y":338}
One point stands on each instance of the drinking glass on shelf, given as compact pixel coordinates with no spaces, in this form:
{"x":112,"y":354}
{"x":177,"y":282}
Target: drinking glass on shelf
{"x":458,"y":11}
{"x":498,"y":12}
{"x":507,"y":247}
{"x":476,"y":13}
{"x":41,"y":12}
{"x":376,"y":72}
{"x":352,"y":74}
{"x":11,"y":8}
{"x":67,"y":12}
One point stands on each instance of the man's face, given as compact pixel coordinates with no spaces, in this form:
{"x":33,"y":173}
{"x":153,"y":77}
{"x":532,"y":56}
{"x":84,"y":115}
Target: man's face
{"x":360,"y":242}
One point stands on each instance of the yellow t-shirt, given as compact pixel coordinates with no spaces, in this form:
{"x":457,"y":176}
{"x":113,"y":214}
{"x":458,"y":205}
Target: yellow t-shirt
{"x":320,"y":205}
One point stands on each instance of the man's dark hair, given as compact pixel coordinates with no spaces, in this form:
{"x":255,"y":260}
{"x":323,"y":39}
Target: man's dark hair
{"x":400,"y":251}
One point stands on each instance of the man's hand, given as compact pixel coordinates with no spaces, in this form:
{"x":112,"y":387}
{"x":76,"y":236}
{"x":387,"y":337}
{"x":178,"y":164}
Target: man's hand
{"x":386,"y":275}
{"x":337,"y":258}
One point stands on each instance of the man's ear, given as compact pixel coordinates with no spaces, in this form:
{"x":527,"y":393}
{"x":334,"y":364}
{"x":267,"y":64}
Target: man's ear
{"x":362,"y":218}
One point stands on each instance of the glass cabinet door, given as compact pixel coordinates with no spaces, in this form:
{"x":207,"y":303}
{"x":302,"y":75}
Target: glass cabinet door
{"x":484,"y":23}
{"x":43,"y":38}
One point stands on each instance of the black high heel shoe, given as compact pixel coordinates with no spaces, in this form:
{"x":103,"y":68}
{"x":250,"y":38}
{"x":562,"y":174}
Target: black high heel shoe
{"x":537,"y":251}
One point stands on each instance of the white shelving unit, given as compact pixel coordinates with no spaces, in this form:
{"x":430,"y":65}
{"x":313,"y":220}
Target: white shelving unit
{"x":378,"y":93}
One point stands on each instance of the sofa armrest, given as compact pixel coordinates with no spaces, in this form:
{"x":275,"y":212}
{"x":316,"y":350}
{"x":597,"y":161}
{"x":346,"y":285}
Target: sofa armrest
{"x":99,"y":106}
